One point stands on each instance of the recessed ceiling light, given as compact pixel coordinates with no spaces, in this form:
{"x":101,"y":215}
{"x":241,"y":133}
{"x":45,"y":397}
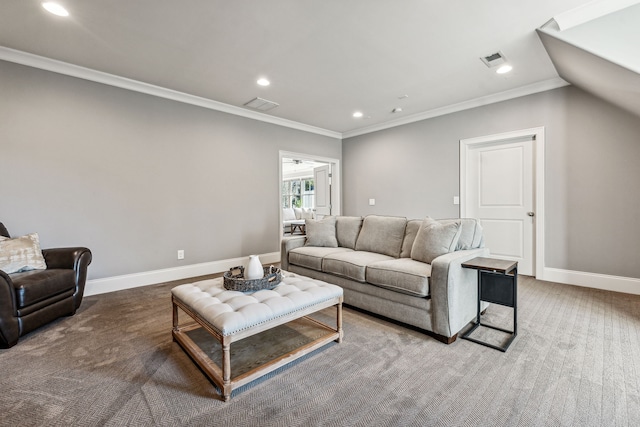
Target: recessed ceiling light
{"x":357,"y":114}
{"x":55,"y":8}
{"x":504,"y":69}
{"x":263,"y":82}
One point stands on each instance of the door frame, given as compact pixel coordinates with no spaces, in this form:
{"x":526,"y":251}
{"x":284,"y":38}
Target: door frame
{"x":336,"y":181}
{"x":537,"y":135}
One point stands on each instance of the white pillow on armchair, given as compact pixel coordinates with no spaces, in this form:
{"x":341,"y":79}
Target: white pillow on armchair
{"x":288,"y":214}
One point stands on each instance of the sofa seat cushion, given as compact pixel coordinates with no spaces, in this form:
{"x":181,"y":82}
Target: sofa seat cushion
{"x":311,"y":256}
{"x":403,"y":275}
{"x":352,"y":265}
{"x":35,"y":286}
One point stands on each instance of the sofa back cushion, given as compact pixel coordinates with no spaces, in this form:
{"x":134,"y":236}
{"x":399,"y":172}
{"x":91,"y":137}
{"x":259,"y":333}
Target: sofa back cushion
{"x":382,"y":234}
{"x":321,"y":232}
{"x":435,"y":239}
{"x":470,"y":233}
{"x":347,"y":230}
{"x":409,"y":236}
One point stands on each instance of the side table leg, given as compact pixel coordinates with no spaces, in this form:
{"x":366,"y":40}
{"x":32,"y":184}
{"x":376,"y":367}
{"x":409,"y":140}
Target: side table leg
{"x":515,"y":301}
{"x":479,"y":294}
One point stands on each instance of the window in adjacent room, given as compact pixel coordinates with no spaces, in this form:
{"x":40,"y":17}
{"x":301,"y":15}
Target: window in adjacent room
{"x":297,"y":193}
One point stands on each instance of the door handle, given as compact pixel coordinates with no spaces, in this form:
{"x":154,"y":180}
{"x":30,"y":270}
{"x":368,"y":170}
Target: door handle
{"x":530,"y":213}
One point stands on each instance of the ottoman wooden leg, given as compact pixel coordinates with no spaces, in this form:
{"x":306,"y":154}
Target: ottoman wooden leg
{"x":175,"y":318}
{"x":339,"y":322}
{"x":226,"y":371}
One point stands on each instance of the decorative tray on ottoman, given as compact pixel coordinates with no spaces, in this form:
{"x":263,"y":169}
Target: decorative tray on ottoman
{"x":234,"y":280}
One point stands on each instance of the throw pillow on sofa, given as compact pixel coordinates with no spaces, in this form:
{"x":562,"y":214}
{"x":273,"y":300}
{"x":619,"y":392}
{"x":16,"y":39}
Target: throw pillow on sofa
{"x":321,"y":232}
{"x":21,"y":254}
{"x":435,"y":239}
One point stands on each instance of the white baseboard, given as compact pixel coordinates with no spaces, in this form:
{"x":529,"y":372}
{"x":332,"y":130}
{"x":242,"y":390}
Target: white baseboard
{"x":128,"y":281}
{"x":627,"y":285}
{"x":110,"y":284}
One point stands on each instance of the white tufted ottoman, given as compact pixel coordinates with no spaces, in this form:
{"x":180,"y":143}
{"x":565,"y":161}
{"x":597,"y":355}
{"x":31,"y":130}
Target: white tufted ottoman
{"x":231,"y":316}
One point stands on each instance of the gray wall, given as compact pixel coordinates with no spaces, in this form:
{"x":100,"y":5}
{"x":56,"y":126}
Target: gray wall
{"x":135,"y":177}
{"x":591,"y":176}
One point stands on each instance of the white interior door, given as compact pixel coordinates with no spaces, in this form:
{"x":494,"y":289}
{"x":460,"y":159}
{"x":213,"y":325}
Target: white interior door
{"x":498,"y":189}
{"x":322,"y":190}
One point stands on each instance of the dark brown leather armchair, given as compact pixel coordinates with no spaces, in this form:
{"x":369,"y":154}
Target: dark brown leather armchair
{"x":31,"y":299}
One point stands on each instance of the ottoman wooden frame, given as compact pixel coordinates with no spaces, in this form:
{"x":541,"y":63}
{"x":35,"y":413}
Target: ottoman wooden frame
{"x":221,"y":376}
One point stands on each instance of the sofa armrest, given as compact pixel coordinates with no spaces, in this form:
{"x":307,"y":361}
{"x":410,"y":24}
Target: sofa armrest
{"x":454,"y":291}
{"x":287,"y":244}
{"x":9,"y":327}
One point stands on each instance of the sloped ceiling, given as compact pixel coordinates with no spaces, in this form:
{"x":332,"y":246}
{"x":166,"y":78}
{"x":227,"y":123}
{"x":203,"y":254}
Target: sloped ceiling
{"x":600,"y":56}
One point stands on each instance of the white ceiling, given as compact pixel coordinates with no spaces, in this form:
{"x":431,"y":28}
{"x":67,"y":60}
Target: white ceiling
{"x":325,"y":59}
{"x":292,"y":168}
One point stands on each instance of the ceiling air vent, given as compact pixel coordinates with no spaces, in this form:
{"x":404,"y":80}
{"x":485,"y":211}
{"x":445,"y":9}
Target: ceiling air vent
{"x":261,"y":104}
{"x":494,"y":59}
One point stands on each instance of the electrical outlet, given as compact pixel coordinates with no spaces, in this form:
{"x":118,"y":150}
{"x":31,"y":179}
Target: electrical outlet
{"x":181,"y":254}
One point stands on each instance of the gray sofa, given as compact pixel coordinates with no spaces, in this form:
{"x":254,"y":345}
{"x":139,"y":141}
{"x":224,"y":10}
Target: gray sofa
{"x":406,"y":270}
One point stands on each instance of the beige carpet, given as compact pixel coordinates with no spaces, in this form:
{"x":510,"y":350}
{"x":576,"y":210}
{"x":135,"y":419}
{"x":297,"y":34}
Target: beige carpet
{"x":575,"y":362}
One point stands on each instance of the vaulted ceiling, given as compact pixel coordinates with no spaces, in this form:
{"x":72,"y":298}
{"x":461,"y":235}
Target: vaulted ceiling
{"x":325,"y":59}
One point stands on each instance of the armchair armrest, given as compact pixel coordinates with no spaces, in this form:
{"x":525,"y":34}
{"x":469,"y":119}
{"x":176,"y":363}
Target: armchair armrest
{"x":287,"y":244}
{"x":9,"y":327}
{"x":454,"y":291}
{"x":77,"y":259}
{"x":65,"y":257}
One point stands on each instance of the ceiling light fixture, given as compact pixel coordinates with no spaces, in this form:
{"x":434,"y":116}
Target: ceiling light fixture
{"x":504,"y":69}
{"x":357,"y":114}
{"x":55,"y":8}
{"x":263,"y":82}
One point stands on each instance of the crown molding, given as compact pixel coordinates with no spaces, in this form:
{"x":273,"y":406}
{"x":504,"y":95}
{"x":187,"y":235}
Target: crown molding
{"x":65,"y":68}
{"x":466,"y":105}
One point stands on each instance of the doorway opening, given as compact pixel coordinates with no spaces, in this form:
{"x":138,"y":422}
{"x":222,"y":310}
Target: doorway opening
{"x":309,"y":189}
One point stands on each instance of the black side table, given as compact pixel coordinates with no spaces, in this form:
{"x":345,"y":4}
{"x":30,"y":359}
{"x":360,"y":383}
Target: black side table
{"x":498,"y":284}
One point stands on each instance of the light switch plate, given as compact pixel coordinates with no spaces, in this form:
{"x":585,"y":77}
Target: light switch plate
{"x":372,"y":202}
